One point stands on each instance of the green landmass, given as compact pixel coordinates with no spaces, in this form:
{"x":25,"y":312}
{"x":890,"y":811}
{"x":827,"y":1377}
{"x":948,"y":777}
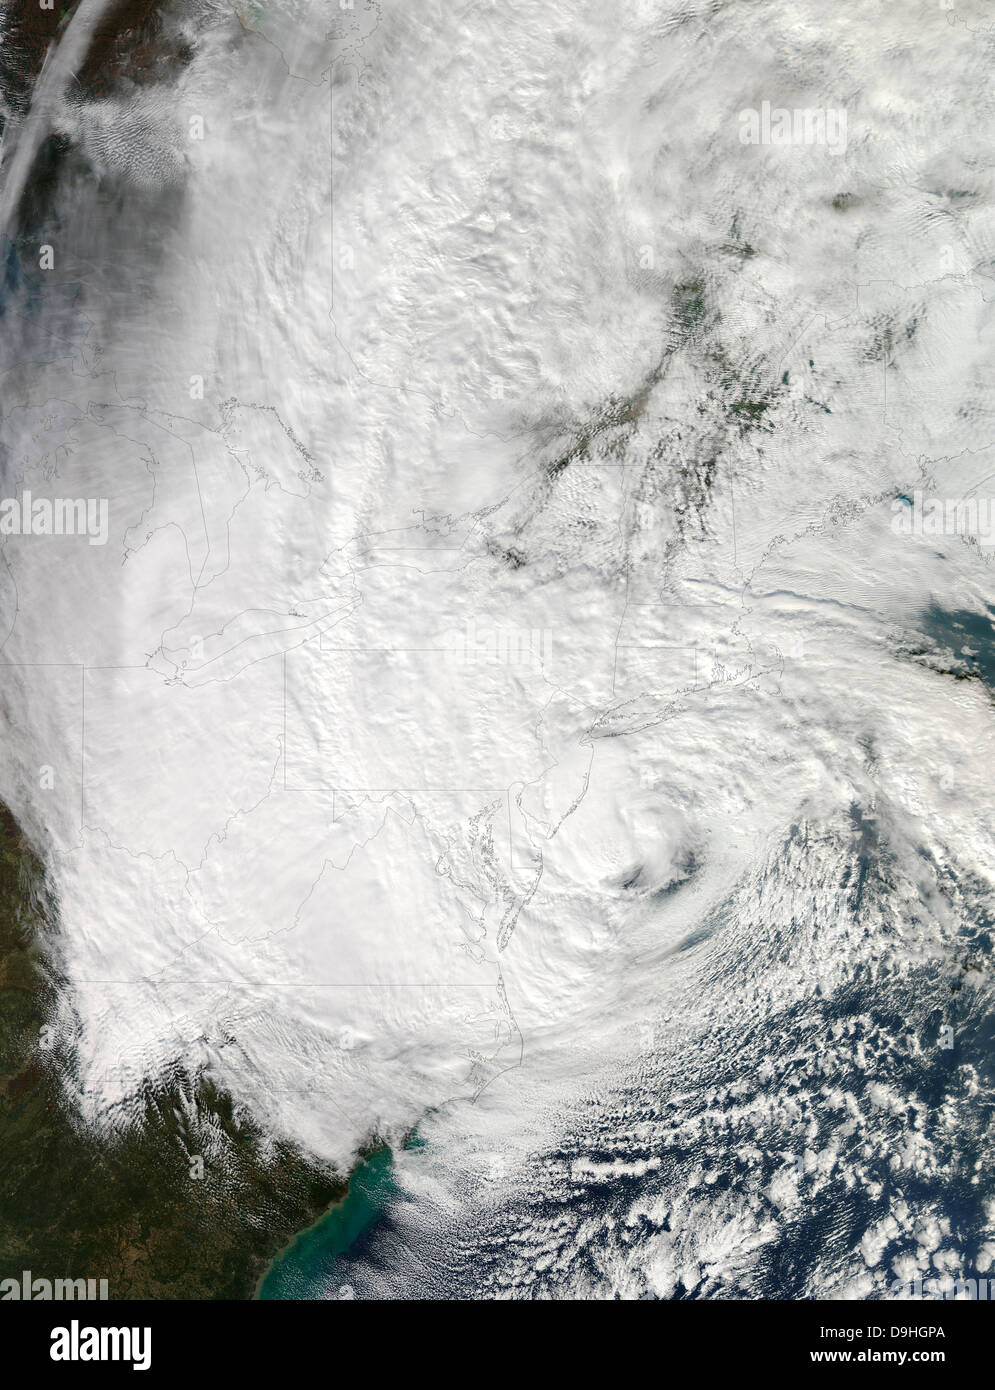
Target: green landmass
{"x":77,"y":1204}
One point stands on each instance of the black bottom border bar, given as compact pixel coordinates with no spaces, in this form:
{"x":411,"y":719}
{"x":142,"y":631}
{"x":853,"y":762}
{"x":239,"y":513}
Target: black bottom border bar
{"x":270,"y":1339}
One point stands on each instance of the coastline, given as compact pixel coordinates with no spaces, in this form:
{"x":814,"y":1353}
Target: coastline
{"x":313,"y":1251}
{"x":122,"y":1206}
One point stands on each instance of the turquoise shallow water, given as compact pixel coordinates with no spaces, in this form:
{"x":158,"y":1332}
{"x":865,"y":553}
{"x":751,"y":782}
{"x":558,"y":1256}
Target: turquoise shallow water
{"x":307,"y":1268}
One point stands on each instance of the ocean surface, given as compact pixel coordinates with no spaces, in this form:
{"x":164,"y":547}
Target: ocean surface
{"x":308,"y":1267}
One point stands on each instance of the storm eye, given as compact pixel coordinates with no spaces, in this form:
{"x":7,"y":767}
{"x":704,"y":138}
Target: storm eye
{"x":645,"y":879}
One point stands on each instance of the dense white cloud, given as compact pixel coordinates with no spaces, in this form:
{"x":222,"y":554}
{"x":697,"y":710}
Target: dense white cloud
{"x":504,"y":680}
